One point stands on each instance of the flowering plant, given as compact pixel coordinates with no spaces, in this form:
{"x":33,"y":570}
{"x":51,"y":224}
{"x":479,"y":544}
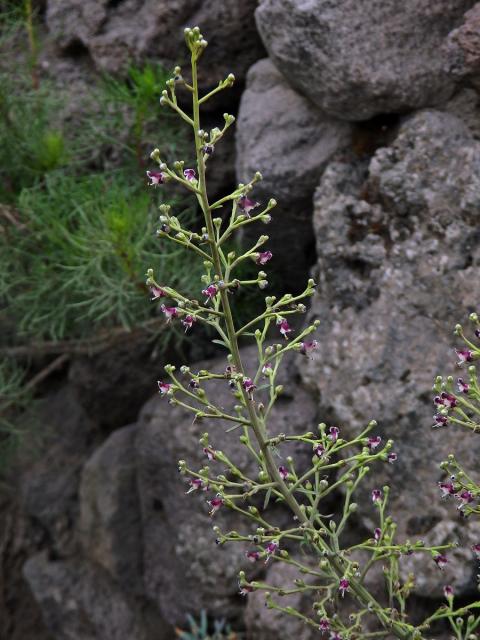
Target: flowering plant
{"x":331,"y":568}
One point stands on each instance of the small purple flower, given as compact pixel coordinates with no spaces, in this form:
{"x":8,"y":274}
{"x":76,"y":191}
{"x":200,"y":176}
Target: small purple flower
{"x":284,"y":327}
{"x":377,"y":534}
{"x":156,"y":178}
{"x":324,"y":625}
{"x":343,"y":586}
{"x":266,"y":368}
{"x":195,"y":484}
{"x":306,"y":348}
{"x":446,"y":488}
{"x":163,"y":387}
{"x":253,"y":556}
{"x":210,"y":292}
{"x":208,"y":149}
{"x":188,"y":322}
{"x":446,"y":400}
{"x":464,"y":355}
{"x":263,"y":257}
{"x":283,"y":471}
{"x":334,"y":433}
{"x":440,"y":421}
{"x":392,"y":457}
{"x":271,"y":548}
{"x":249,"y":386}
{"x":157,"y":292}
{"x":246,"y":589}
{"x":335,"y":636}
{"x":477,"y":333}
{"x":377,"y":495}
{"x":462,"y":386}
{"x":319,"y":450}
{"x":464,"y":497}
{"x":170,"y":312}
{"x":476,"y":550}
{"x":440,"y":560}
{"x":190,"y":175}
{"x":374,"y":442}
{"x":210,"y":453}
{"x":448,"y":591}
{"x":215,"y":504}
{"x":246,"y":205}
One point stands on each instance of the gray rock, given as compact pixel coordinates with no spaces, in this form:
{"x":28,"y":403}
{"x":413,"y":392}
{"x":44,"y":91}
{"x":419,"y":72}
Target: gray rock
{"x":78,"y":600}
{"x":282,"y":135}
{"x":180,"y":556}
{"x":462,"y":49}
{"x":110,"y":525}
{"x":399,"y":263}
{"x":356,"y":63}
{"x":114,"y":33}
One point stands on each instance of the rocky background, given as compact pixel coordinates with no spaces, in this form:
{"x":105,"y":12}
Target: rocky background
{"x":364,"y":120}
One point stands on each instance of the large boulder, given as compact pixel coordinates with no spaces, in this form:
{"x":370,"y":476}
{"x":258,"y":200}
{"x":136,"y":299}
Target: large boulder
{"x":109,"y":524}
{"x":180,"y":555}
{"x":399,"y":263}
{"x":115,"y":33}
{"x":282,"y":135}
{"x":355,"y":63}
{"x":462,"y":49}
{"x":79,"y":600}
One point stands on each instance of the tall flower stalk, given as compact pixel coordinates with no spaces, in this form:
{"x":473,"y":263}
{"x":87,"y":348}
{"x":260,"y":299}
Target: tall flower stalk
{"x":332,"y":570}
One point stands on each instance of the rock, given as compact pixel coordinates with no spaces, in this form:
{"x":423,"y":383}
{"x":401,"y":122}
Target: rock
{"x":115,"y":33}
{"x":50,"y":480}
{"x":353,"y":63}
{"x":78,"y":600}
{"x":462,"y":49}
{"x":282,"y":135}
{"x":110,"y":524}
{"x":399,"y":264}
{"x":180,"y":556}
{"x":465,"y":105}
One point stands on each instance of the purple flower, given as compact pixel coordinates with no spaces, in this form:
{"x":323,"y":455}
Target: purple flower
{"x":440,"y":421}
{"x":210,"y":453}
{"x":377,"y":534}
{"x":249,"y":385}
{"x":446,"y":400}
{"x":215,"y":504}
{"x":373,"y":442}
{"x":271,"y":548}
{"x":440,"y":560}
{"x":284,"y":327}
{"x":335,"y":636}
{"x":446,"y":488}
{"x":448,"y":591}
{"x":476,"y":550}
{"x":266,"y":368}
{"x":377,"y":495}
{"x":156,"y":292}
{"x":464,"y":498}
{"x":170,"y":312}
{"x":306,"y":348}
{"x":392,"y":457}
{"x":319,"y":450}
{"x":343,"y":586}
{"x":246,"y":589}
{"x":195,"y":484}
{"x":188,"y":322}
{"x":283,"y":471}
{"x":156,"y":178}
{"x":163,"y":387}
{"x":334,"y":433}
{"x":263,"y":257}
{"x":464,"y":355}
{"x":253,"y":556}
{"x":246,"y":205}
{"x":208,"y":149}
{"x":463,"y":386}
{"x":190,"y":175}
{"x":210,"y":292}
{"x":324,"y":625}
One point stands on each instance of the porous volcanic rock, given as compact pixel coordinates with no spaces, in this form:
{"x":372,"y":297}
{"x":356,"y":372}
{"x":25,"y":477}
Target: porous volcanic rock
{"x":399,"y":264}
{"x":282,"y":135}
{"x":356,"y":63}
